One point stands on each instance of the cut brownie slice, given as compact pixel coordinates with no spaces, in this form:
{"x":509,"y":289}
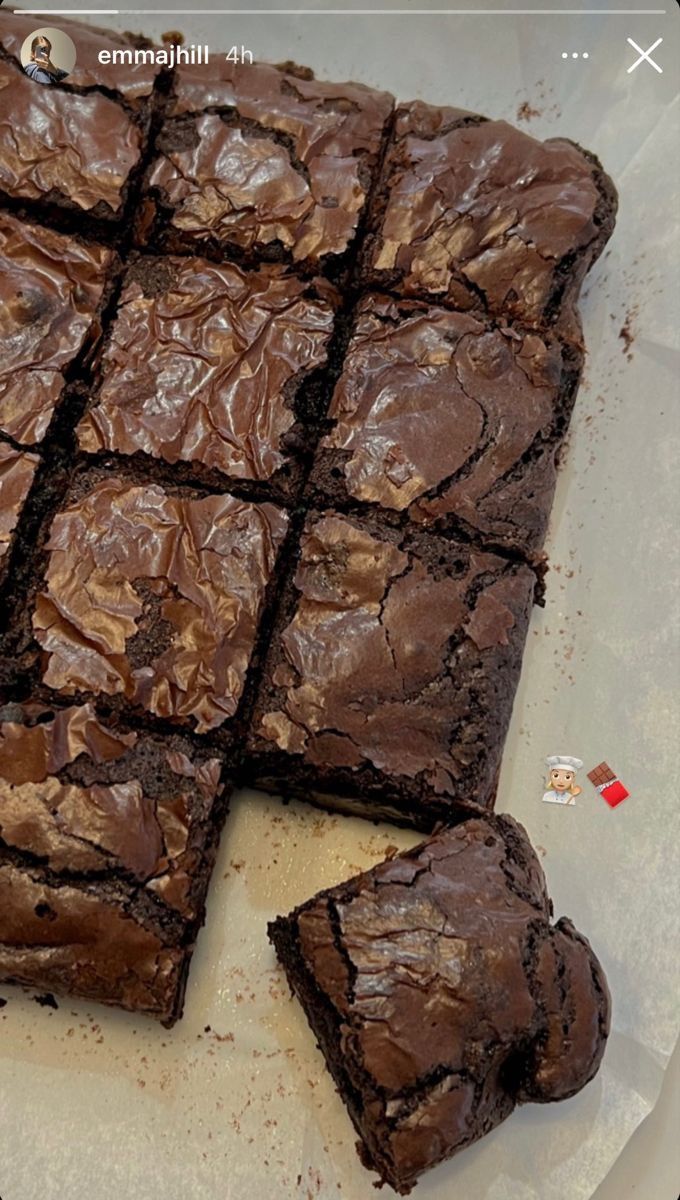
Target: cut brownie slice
{"x":263,"y":162}
{"x":449,"y":419}
{"x":64,"y":151}
{"x":390,"y":674}
{"x":128,"y":75}
{"x":441,"y":996}
{"x":480,"y":215}
{"x":107,"y":841}
{"x":154,"y":595}
{"x":51,"y":292}
{"x":17,"y":469}
{"x":207,"y":365}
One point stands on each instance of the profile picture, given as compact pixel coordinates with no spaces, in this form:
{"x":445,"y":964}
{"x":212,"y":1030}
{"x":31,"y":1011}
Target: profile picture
{"x":48,"y":55}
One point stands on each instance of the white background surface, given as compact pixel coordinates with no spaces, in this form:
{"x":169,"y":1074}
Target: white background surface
{"x":97,"y":1104}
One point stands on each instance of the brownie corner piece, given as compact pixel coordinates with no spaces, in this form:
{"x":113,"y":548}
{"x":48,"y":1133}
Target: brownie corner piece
{"x":263,"y":164}
{"x":78,"y":185}
{"x":213,"y":370}
{"x":390,"y":673}
{"x":478,"y":214}
{"x":107,"y":841}
{"x":441,"y":996}
{"x":152,"y":596}
{"x":450,"y":420}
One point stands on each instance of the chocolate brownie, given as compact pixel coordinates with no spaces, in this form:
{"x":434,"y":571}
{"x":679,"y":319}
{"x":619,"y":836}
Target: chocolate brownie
{"x":52,"y":288}
{"x":441,"y":995}
{"x":450,"y":420}
{"x":390,"y":674}
{"x":482,"y":216}
{"x":17,"y":469}
{"x":152,"y":596}
{"x":107,"y":841}
{"x":132,"y":81}
{"x":212,"y":366}
{"x":65,"y":151}
{"x":262,"y":162}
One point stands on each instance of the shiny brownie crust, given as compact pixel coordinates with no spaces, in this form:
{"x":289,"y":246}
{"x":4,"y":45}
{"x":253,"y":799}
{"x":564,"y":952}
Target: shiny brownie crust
{"x":261,"y":162}
{"x":442,"y":996}
{"x":479,"y":215}
{"x":449,"y":420}
{"x":107,"y":841}
{"x":391,"y":670}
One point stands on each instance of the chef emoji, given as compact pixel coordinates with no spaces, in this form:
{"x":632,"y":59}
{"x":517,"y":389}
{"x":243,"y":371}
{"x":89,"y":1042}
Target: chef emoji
{"x":560,"y":783}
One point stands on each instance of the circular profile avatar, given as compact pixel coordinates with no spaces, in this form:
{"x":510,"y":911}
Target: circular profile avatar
{"x":48,"y":55}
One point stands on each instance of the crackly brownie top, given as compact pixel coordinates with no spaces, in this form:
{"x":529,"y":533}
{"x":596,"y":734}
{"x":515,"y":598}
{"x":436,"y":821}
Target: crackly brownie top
{"x":435,"y":408}
{"x":50,"y":288}
{"x":483,"y":211}
{"x":390,"y":650}
{"x":290,"y":162}
{"x":55,"y":143}
{"x":156,"y":597}
{"x":16,"y":476}
{"x":86,"y":938}
{"x":83,"y":798}
{"x":451,"y":988}
{"x":133,"y":81}
{"x":202,"y":362}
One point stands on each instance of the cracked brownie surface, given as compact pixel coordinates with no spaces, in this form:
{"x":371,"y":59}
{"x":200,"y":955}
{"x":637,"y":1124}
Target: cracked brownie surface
{"x":390,"y":673}
{"x":442,"y":996}
{"x":448,"y":419}
{"x":204,"y":364}
{"x":51,"y":292}
{"x":107,"y":839}
{"x":155,"y":596}
{"x":262,"y":162}
{"x":479,"y":214}
{"x":74,"y":151}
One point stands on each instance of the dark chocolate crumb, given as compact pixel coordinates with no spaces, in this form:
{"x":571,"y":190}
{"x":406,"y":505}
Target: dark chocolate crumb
{"x":525,"y":112}
{"x":46,"y":1001}
{"x":627,"y":335}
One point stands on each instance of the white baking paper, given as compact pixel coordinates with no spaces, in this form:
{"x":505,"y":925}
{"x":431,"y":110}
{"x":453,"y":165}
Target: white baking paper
{"x":235,"y":1102}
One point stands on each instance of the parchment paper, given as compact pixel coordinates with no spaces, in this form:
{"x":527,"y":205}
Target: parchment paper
{"x":96,"y":1105}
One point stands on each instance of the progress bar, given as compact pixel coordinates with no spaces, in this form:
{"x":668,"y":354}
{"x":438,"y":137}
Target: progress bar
{"x":352,"y":12}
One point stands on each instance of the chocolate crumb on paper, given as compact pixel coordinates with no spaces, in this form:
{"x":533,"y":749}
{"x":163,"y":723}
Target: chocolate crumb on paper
{"x":46,"y":1001}
{"x":526,"y":112}
{"x":627,"y":333}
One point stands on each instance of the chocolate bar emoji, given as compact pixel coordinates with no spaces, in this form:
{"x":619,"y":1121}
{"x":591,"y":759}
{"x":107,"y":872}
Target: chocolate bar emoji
{"x":610,"y":788}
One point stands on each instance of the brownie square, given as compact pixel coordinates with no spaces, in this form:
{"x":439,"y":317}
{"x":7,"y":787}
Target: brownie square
{"x":152,"y":596}
{"x":66,"y":152}
{"x":258,"y":161}
{"x":132,"y":81}
{"x":449,"y":420}
{"x":390,"y":673}
{"x":480,"y":215}
{"x":52,"y":288}
{"x":441,"y":995}
{"x":17,"y":469}
{"x":107,"y":841}
{"x":212,"y":366}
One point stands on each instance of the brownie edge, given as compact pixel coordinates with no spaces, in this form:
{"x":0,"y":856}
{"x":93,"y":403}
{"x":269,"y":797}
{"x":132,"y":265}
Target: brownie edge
{"x":107,"y":842}
{"x":442,"y":996}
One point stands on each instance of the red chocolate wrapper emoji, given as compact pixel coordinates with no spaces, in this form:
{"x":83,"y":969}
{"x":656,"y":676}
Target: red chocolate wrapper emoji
{"x":608,"y":785}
